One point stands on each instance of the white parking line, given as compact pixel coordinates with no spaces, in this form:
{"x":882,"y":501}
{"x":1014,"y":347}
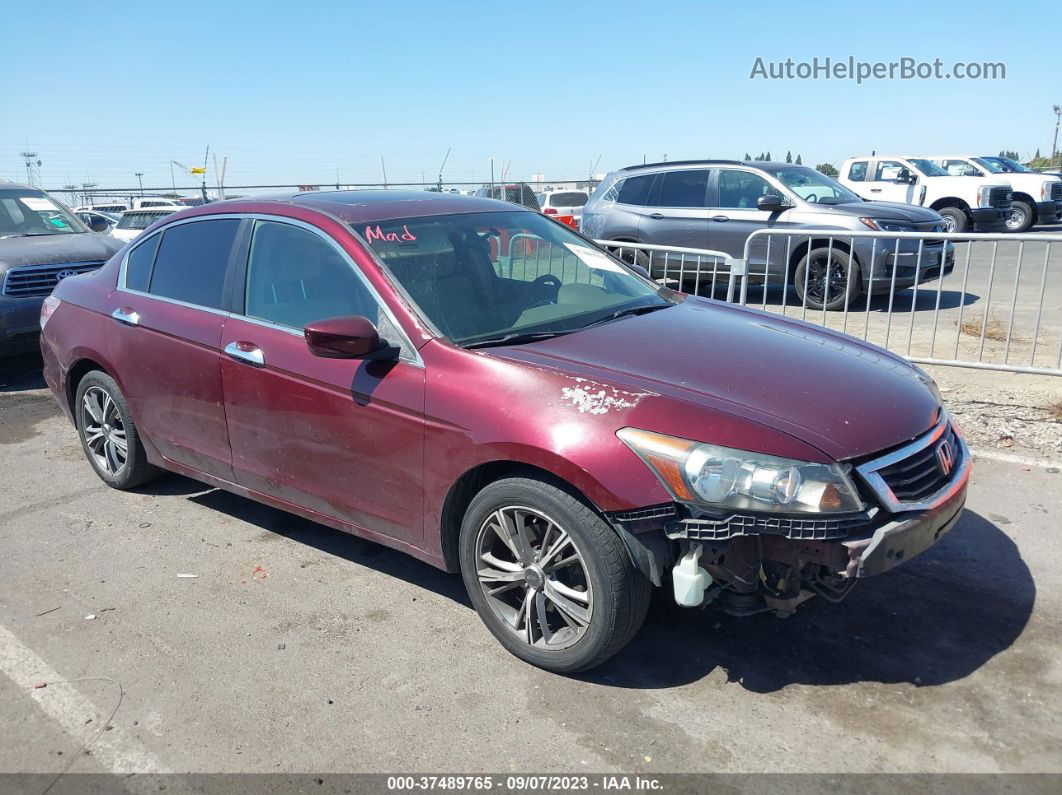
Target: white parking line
{"x":114,"y":749}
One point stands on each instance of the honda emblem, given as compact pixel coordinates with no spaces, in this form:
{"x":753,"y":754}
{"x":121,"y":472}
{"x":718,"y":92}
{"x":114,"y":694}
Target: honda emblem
{"x":945,"y":457}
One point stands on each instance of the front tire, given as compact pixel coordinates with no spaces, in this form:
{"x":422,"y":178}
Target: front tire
{"x":954,"y":220}
{"x":1021,"y":217}
{"x":108,"y":436}
{"x":548,"y":576}
{"x":827,"y":278}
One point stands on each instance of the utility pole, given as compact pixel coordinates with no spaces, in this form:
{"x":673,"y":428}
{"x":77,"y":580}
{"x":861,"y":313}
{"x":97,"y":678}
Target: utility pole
{"x":447,"y":157}
{"x":140,"y":178}
{"x":1054,"y":146}
{"x":31,"y":177}
{"x":87,"y":186}
{"x":383,"y":168}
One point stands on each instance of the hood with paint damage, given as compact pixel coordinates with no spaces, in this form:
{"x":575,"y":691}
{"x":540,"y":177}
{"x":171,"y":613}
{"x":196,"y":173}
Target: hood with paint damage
{"x":700,"y":367}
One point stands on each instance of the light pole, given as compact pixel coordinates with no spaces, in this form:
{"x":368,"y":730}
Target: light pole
{"x":1054,"y":146}
{"x":139,"y":178}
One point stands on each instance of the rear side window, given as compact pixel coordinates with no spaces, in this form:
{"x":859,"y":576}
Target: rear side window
{"x":635,"y":190}
{"x":683,"y":188}
{"x":191,"y":262}
{"x":138,"y":266}
{"x":857,"y":172}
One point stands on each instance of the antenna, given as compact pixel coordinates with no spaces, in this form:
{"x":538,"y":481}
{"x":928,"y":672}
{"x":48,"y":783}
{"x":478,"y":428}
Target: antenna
{"x":443,"y":166}
{"x":383,"y":167}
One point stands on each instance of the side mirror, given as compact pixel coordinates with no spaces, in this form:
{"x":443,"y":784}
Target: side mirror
{"x":352,"y":337}
{"x":771,"y":203}
{"x":97,"y":224}
{"x":905,"y":177}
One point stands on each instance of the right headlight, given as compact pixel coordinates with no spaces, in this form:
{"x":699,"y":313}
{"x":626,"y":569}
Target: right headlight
{"x":885,"y":226}
{"x":722,"y":477}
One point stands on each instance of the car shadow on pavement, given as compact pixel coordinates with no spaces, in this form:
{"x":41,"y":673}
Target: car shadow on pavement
{"x":904,"y":299}
{"x":935,"y":620}
{"x":21,"y":373}
{"x":325,"y":539}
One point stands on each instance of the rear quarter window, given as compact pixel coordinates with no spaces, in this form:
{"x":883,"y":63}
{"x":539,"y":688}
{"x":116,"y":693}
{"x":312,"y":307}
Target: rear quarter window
{"x":138,"y":265}
{"x":635,"y":190}
{"x":191,"y":262}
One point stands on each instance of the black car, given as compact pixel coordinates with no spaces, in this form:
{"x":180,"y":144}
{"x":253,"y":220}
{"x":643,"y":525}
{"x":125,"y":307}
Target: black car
{"x":41,"y":243}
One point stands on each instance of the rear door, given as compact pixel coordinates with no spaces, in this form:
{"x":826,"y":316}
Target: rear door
{"x":677,"y":214}
{"x":168,"y":317}
{"x":341,"y":437}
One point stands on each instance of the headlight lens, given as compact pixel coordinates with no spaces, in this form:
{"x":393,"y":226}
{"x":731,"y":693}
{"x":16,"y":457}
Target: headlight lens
{"x":885,"y":226}
{"x":1045,"y":190}
{"x":721,"y":477}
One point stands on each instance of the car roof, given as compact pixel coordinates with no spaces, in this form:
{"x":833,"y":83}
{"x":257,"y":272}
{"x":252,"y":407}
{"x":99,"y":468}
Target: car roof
{"x":139,"y":210}
{"x":763,"y":165}
{"x":372,"y":206}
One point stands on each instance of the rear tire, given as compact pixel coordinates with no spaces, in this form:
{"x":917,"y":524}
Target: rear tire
{"x":835,"y":287}
{"x":548,"y":576}
{"x":955,"y":219}
{"x":108,"y":436}
{"x":1021,"y":217}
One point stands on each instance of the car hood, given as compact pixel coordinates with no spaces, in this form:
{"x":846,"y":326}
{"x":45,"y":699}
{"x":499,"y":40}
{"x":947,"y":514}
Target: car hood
{"x":887,"y":211}
{"x":56,"y":249}
{"x":844,"y":397}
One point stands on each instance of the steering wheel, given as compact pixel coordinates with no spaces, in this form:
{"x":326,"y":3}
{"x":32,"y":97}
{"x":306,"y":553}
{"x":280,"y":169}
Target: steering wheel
{"x":546,"y":280}
{"x":812,"y":197}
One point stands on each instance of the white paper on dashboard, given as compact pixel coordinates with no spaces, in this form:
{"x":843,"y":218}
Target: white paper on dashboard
{"x":37,"y":204}
{"x":594,"y":259}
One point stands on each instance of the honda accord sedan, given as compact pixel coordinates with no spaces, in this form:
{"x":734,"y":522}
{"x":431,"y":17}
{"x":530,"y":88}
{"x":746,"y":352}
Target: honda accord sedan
{"x":481,"y":387}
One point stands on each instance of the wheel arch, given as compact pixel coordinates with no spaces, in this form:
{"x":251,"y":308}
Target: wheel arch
{"x":1021,"y":196}
{"x":801,"y":249}
{"x":76,"y":373}
{"x":950,"y":201}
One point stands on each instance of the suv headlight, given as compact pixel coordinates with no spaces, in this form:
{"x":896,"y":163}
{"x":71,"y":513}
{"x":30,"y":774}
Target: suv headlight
{"x":984,"y":196}
{"x":885,"y":226}
{"x":721,"y":477}
{"x":1045,"y":191}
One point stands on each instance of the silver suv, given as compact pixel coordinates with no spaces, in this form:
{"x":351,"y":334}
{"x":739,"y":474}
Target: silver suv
{"x":717,"y":204}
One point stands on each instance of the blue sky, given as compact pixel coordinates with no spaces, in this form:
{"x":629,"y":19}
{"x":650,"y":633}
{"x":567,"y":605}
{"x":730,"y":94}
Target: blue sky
{"x":292,"y":91}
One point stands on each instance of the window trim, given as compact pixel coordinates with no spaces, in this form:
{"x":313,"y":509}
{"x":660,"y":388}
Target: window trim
{"x":236,"y":271}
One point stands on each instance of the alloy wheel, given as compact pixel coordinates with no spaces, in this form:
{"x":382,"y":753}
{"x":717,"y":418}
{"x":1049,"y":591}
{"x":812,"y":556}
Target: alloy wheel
{"x":534,"y":577}
{"x":826,"y":278}
{"x":103,"y":430}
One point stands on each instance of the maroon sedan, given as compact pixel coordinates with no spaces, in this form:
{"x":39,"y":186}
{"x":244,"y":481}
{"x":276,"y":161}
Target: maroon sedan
{"x":481,"y":387}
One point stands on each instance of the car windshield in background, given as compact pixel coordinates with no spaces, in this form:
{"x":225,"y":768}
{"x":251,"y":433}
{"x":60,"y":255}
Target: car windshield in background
{"x":815,"y":187}
{"x":992,"y":165}
{"x":134,"y":220}
{"x":928,"y":167}
{"x":496,"y":278}
{"x":31,"y":213}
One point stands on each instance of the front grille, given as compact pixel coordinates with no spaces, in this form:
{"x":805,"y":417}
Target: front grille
{"x":39,"y":280}
{"x":918,"y":476}
{"x":1056,"y":192}
{"x":1000,"y":197}
{"x":748,"y":525}
{"x":910,"y":477}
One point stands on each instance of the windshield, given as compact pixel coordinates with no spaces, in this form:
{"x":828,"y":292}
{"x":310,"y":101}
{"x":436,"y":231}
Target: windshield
{"x":1000,"y":165}
{"x":815,"y":187}
{"x":31,"y":213}
{"x":927,"y":167}
{"x":567,"y":199}
{"x":992,"y":164}
{"x":483,"y":276}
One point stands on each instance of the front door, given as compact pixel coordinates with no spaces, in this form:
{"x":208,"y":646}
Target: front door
{"x":883,"y":186}
{"x":734,"y":216}
{"x":168,"y":320}
{"x":341,"y":437}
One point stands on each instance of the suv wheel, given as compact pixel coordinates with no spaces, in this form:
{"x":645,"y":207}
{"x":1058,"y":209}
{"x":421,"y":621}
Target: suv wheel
{"x":827,"y":278}
{"x":1021,"y":216}
{"x":550,"y":579}
{"x":108,"y":435}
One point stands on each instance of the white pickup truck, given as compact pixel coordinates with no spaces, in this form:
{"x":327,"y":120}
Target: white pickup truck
{"x":1037,"y":197}
{"x":964,"y":203}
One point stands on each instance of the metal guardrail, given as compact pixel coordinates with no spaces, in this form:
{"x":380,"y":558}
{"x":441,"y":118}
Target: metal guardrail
{"x":986,"y":301}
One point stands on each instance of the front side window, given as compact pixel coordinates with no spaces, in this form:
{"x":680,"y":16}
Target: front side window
{"x":295,"y":277}
{"x":479,"y":277}
{"x":32,"y":213}
{"x":191,"y":262}
{"x":683,"y":188}
{"x":740,"y":189}
{"x":888,"y":170}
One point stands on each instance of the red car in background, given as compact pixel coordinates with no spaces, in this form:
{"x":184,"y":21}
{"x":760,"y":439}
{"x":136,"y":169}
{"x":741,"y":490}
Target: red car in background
{"x":481,"y":387}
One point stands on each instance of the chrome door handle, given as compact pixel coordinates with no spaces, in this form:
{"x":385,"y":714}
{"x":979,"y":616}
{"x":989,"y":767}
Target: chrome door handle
{"x":657,"y":216}
{"x":246,"y":352}
{"x":720,"y":218}
{"x":126,"y":316}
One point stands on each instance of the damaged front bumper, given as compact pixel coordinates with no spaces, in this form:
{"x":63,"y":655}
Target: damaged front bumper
{"x":765,"y":562}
